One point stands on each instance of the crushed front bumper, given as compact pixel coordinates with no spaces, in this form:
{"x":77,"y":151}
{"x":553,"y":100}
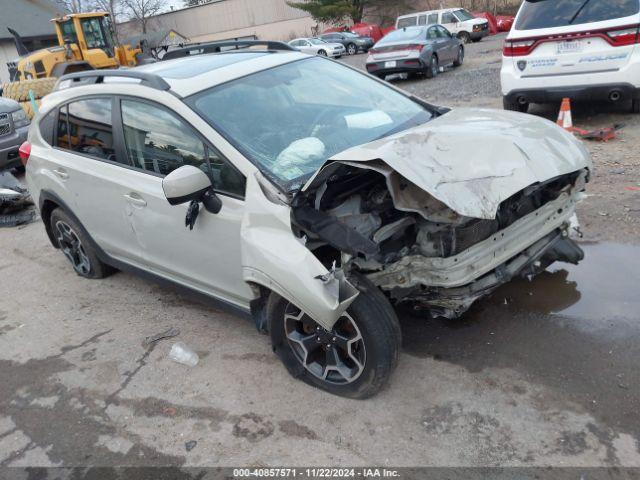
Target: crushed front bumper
{"x":448,"y":286}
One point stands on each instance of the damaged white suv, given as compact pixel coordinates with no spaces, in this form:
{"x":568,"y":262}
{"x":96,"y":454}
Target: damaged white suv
{"x":315,"y":197}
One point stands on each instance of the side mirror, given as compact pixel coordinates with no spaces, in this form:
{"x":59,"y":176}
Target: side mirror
{"x":185,"y":184}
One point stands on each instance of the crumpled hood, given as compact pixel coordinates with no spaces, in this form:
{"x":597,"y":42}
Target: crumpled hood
{"x":474,"y":159}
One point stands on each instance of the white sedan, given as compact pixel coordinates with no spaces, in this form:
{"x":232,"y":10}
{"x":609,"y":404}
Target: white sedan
{"x":315,"y":46}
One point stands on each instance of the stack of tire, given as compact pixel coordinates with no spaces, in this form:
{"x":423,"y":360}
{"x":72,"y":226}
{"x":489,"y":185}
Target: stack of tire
{"x":19,"y":91}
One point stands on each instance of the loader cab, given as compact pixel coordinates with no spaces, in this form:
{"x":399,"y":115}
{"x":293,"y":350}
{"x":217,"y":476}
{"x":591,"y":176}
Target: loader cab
{"x":88,"y":37}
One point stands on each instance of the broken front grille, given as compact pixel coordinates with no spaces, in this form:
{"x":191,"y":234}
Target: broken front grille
{"x":5,"y":128}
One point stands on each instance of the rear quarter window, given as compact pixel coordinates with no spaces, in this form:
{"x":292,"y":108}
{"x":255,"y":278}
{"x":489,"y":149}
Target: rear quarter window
{"x":47,"y":126}
{"x":407,"y":22}
{"x":536,"y":14}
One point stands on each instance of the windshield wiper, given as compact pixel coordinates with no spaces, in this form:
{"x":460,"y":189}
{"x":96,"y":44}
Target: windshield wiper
{"x":573,"y":19}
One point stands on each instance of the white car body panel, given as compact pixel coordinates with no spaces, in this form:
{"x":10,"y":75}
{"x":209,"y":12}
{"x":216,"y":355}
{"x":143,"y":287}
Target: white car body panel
{"x":454,"y":28}
{"x":333,"y":50}
{"x":519,"y":150}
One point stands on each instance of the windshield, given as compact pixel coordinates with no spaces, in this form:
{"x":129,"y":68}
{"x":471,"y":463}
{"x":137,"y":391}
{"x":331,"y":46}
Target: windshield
{"x":290,"y":119}
{"x":317,"y":41}
{"x":560,"y":13}
{"x":463,"y":15}
{"x":406,"y":34}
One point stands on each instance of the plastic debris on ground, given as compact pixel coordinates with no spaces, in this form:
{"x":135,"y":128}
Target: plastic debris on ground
{"x":16,"y":207}
{"x":190,"y":445}
{"x":180,"y":353}
{"x":601,"y":135}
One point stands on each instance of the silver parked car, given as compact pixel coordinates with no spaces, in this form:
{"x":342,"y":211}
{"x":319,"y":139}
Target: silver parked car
{"x":315,"y":46}
{"x":415,"y":50}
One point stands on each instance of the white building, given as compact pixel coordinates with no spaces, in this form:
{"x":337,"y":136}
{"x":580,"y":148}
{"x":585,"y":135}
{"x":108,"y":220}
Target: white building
{"x":225,"y":19}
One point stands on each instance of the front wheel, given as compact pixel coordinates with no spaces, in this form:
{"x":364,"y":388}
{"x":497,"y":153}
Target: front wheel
{"x":460,"y":58}
{"x":354,"y":359}
{"x":352,"y":49}
{"x":464,"y":37}
{"x":322,"y":53}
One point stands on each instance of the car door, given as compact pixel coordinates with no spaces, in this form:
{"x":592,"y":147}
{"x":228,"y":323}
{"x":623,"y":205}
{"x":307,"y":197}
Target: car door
{"x":449,"y":21}
{"x":307,"y":47}
{"x":207,"y":258}
{"x":451,"y":43}
{"x":94,"y":179}
{"x":437,"y":44}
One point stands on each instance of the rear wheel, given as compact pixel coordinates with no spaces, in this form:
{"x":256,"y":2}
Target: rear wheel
{"x":515,"y":106}
{"x":433,"y":68}
{"x":352,"y":49}
{"x":460,"y":58}
{"x":76,"y":247}
{"x":354,"y":359}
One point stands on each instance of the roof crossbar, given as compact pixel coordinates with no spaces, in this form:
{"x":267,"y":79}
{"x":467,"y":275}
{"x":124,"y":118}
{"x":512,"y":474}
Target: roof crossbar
{"x":217,"y":47}
{"x":98,"y":76}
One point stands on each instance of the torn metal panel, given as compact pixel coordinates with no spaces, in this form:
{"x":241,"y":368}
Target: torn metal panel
{"x":272,"y":256}
{"x":469,"y":160}
{"x":481,"y":258}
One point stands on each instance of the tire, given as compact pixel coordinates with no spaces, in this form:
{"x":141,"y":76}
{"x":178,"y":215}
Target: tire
{"x":464,"y":37}
{"x":75,"y":245}
{"x":352,"y":49}
{"x":377,"y":348}
{"x":322,"y":53}
{"x":515,"y":106}
{"x":433,"y":68}
{"x":460,"y":59}
{"x":19,"y":91}
{"x":635,"y":106}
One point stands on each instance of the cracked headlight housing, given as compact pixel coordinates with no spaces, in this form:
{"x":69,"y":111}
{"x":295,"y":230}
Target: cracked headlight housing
{"x":20,"y":118}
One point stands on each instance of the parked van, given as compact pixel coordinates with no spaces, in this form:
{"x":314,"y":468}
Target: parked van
{"x":457,"y":20}
{"x":580,"y":50}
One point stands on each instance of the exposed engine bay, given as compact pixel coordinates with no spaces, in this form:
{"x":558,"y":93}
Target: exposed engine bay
{"x":367,"y":218}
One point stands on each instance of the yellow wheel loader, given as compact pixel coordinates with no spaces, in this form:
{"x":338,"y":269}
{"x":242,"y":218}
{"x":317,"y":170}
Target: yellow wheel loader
{"x":85,"y":42}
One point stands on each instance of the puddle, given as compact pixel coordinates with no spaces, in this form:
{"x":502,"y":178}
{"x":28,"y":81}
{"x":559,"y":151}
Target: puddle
{"x":575,"y":329}
{"x":602,"y":291}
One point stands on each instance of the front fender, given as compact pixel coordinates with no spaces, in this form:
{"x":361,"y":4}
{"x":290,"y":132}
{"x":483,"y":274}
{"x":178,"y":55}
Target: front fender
{"x":272,"y":256}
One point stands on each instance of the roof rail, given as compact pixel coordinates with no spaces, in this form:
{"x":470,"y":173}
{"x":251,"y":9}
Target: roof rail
{"x":98,"y":76}
{"x":216,"y":47}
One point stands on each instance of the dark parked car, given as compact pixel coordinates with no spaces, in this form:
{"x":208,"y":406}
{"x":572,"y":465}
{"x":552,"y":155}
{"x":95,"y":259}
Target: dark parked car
{"x":14,"y":125}
{"x":352,"y":42}
{"x":415,"y":50}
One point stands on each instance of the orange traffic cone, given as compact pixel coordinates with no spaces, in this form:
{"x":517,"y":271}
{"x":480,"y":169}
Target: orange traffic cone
{"x":564,"y":119}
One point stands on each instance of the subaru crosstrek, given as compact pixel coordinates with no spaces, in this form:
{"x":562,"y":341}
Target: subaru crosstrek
{"x":583,"y":50}
{"x":302,"y":191}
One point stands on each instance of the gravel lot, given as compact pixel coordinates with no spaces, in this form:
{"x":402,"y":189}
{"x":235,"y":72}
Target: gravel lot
{"x":542,"y":373}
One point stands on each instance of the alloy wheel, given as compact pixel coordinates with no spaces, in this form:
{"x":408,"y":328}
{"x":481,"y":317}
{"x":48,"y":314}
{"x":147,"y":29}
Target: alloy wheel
{"x":352,"y":49}
{"x":337,"y":356}
{"x":72,"y":248}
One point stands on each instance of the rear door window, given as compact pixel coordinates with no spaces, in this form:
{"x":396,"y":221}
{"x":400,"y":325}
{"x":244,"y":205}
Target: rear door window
{"x":433,"y":18}
{"x":422,"y":20}
{"x":85,"y":127}
{"x":407,"y":22}
{"x":562,"y":13}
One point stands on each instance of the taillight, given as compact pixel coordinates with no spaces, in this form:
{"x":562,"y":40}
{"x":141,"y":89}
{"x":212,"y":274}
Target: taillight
{"x":415,"y":47}
{"x":373,"y":51}
{"x":620,"y":38}
{"x":24,"y":151}
{"x":515,"y":48}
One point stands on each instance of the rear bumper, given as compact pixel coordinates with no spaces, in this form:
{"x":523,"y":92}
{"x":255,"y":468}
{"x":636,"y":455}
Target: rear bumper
{"x":625,"y":91}
{"x":9,"y":146}
{"x":410,"y":65}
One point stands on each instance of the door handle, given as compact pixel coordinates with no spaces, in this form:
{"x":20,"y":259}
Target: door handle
{"x":134,"y":199}
{"x":61,"y":173}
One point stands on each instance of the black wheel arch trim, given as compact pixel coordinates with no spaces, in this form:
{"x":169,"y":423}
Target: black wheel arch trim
{"x":57,"y":202}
